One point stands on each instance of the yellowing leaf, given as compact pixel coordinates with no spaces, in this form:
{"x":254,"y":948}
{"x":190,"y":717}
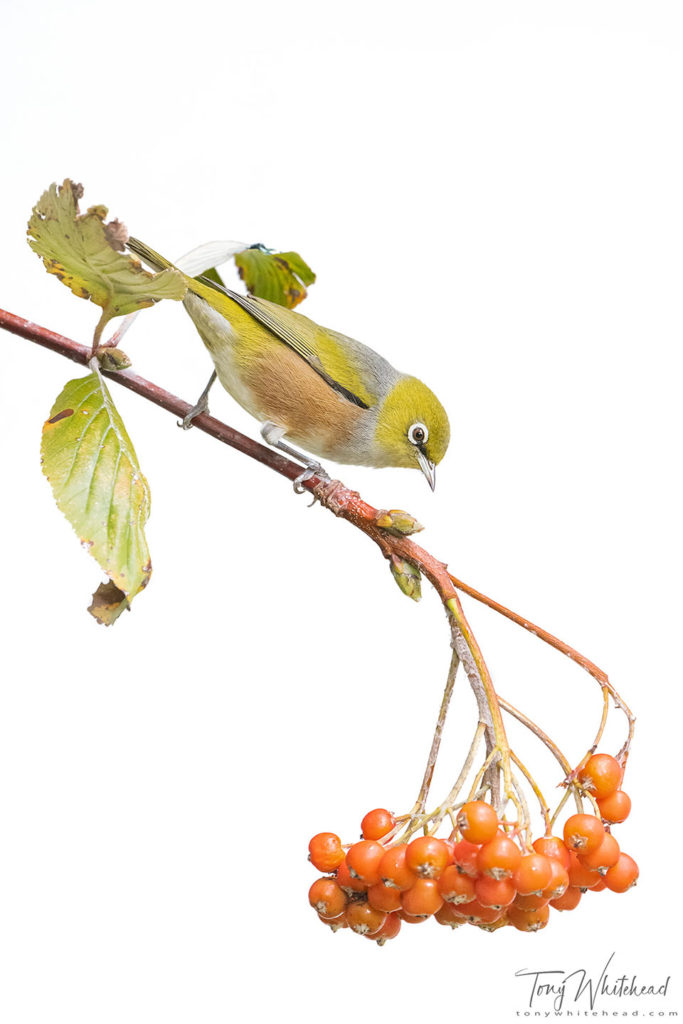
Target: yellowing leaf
{"x":84,"y":253}
{"x":278,"y":276}
{"x":96,"y":480}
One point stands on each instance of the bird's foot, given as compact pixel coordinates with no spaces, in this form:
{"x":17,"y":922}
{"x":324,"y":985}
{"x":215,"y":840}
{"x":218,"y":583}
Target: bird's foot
{"x":272,"y":434}
{"x":186,"y":421}
{"x":313,"y":469}
{"x":202,"y":405}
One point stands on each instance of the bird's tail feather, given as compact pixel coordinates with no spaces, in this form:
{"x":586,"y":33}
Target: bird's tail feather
{"x":149,"y":255}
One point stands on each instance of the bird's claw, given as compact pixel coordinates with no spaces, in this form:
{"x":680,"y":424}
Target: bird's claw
{"x":186,"y":422}
{"x":312,"y":469}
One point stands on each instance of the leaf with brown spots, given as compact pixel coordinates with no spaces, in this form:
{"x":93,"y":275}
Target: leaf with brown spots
{"x":95,"y":476}
{"x":107,"y":603}
{"x":280,"y":277}
{"x":83,"y":252}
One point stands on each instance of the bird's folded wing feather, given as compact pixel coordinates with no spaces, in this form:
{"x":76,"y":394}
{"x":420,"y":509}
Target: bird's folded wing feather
{"x":309,"y":341}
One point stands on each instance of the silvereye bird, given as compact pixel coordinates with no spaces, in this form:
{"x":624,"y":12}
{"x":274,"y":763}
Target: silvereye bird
{"x":332,"y":395}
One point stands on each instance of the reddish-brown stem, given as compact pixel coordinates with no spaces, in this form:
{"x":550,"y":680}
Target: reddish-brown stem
{"x":153,"y":393}
{"x":344,"y":503}
{"x":348,"y":505}
{"x":559,"y":645}
{"x":542,"y":634}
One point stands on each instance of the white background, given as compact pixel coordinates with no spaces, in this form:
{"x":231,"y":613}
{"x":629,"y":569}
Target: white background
{"x":491,"y":196}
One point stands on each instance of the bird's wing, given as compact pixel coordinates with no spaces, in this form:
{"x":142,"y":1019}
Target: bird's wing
{"x":304,"y":337}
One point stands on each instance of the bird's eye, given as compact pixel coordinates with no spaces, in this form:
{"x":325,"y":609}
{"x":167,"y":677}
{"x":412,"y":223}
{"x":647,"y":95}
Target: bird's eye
{"x":418,"y":433}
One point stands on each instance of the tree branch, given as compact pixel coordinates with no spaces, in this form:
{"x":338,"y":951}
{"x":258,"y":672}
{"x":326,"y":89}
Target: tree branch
{"x":347,"y":504}
{"x":339,"y":499}
{"x":153,"y":393}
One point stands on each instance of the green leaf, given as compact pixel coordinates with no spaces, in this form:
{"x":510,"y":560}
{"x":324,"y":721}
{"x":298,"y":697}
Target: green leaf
{"x":297,"y":266}
{"x":278,"y":276}
{"x":85,"y":254}
{"x":96,"y":480}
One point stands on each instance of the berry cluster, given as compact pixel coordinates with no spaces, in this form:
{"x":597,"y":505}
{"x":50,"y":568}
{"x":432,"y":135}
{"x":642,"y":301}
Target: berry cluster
{"x":482,"y":875}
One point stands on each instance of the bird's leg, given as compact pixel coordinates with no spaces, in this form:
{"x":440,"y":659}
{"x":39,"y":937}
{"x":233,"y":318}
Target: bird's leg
{"x":272,"y":435}
{"x":201,"y":405}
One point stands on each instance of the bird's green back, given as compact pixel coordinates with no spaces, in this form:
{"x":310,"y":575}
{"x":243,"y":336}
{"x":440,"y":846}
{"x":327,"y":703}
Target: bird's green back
{"x":354,"y":368}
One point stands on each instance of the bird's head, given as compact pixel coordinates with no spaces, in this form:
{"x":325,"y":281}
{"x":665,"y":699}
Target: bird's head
{"x":412,"y":428}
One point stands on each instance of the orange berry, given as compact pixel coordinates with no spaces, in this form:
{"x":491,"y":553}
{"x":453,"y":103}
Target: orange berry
{"x":363,"y":860}
{"x":327,"y":898}
{"x":325,"y":851}
{"x":476,"y":913}
{"x":533,"y":874}
{"x":492,"y":926}
{"x":450,"y":846}
{"x":580,"y":875}
{"x":530,"y":902}
{"x":494,"y":892}
{"x":423,"y":899}
{"x":446,"y":914}
{"x":623,"y":875}
{"x":528,"y":920}
{"x":427,"y":856}
{"x":364,"y":919}
{"x":499,"y":858}
{"x":411,"y":918}
{"x":559,"y":880}
{"x":569,"y":900}
{"x":601,"y":775}
{"x":389,"y":930}
{"x":477,"y":821}
{"x":605,"y":857}
{"x":393,"y":868}
{"x":583,"y":833}
{"x":456,"y":887}
{"x":334,"y":923}
{"x":602,"y":884}
{"x":347,"y":882}
{"x":465,"y":858}
{"x":616,"y":807}
{"x":553,"y":846}
{"x":377,"y":823}
{"x":381,"y":897}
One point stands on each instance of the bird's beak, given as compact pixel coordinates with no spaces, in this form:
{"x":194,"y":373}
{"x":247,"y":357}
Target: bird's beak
{"x":428,"y":468}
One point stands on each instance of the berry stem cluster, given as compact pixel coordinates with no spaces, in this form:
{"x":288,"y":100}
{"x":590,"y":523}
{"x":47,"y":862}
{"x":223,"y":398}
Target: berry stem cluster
{"x":502,"y":771}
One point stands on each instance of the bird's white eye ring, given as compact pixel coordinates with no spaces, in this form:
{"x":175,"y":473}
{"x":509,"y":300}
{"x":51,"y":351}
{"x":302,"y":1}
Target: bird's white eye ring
{"x":418,"y":434}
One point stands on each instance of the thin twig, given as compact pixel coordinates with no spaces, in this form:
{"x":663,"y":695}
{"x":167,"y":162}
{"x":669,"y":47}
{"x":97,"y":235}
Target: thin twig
{"x":448,"y":805}
{"x":556,"y":813}
{"x":491,"y":759}
{"x":545,"y":810}
{"x":559,"y":645}
{"x":537,"y":731}
{"x":544,"y":738}
{"x":522,"y":808}
{"x":421,"y":801}
{"x":572,"y":775}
